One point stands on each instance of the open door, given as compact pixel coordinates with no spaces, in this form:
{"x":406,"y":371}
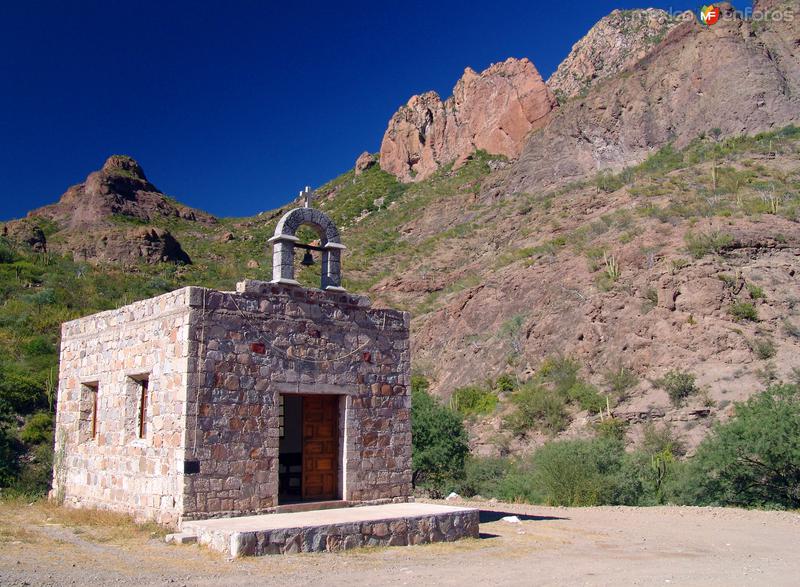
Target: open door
{"x":320,"y":447}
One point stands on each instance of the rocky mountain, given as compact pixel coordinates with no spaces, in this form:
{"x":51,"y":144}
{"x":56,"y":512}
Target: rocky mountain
{"x":616,"y":42}
{"x":109,"y":218}
{"x":735,"y":77}
{"x":648,"y":226}
{"x":493,"y":110}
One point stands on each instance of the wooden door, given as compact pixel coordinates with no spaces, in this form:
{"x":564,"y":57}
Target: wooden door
{"x":320,"y":446}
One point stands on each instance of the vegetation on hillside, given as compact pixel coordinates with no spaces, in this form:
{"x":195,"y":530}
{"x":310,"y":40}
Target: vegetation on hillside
{"x":751,"y":461}
{"x":710,"y":177}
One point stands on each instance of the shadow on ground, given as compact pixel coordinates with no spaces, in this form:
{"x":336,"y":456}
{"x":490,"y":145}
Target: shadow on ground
{"x":487,"y":516}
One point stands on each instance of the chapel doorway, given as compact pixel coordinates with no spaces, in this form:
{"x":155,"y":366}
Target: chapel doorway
{"x":309,"y":448}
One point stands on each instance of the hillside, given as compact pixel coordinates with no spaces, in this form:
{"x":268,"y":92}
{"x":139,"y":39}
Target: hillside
{"x":646,"y":238}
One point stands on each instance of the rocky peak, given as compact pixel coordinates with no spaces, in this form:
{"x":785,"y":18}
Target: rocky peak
{"x":617,"y":41}
{"x":91,"y":216}
{"x":493,"y":110}
{"x":123,"y":165}
{"x":119,"y":188}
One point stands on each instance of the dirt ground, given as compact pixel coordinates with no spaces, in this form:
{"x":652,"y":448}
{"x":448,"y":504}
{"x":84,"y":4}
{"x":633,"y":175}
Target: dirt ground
{"x":43,"y":545}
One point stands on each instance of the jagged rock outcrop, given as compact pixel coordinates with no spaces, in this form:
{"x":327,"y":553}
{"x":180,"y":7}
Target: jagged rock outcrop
{"x":146,"y":244}
{"x":494,"y":111}
{"x":364,"y":162}
{"x":617,"y":41}
{"x":28,"y":234}
{"x":737,"y":76}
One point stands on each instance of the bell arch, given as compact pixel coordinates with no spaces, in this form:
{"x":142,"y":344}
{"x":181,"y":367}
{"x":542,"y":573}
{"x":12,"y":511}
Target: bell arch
{"x":285,"y":239}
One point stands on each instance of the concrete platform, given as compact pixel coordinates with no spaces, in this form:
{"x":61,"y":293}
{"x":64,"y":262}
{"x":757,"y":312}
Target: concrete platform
{"x":397,"y":524}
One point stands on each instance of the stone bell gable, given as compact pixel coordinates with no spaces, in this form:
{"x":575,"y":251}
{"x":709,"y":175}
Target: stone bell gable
{"x":202,"y":403}
{"x":284,"y":242}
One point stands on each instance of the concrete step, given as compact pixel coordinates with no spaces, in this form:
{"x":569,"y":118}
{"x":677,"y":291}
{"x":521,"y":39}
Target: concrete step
{"x":397,"y":524}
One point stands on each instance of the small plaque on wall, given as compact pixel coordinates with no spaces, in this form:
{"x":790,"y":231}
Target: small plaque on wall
{"x":191,"y":467}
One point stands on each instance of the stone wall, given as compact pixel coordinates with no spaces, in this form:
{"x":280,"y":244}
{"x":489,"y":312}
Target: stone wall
{"x":266,"y":339}
{"x":216,"y":363}
{"x":108,"y":354}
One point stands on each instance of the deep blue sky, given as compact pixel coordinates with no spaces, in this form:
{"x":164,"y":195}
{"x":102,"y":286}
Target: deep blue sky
{"x":234,"y":106}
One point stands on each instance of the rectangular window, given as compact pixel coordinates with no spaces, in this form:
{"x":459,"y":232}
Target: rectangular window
{"x":87,"y":419}
{"x":143,"y":399}
{"x":94,"y":413}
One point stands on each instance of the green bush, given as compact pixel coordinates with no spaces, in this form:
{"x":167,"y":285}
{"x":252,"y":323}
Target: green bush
{"x":679,"y":385}
{"x":701,"y":244}
{"x":613,"y":428}
{"x":561,"y":372}
{"x":754,"y":459}
{"x":473,"y":401}
{"x":439,"y":441}
{"x":539,"y":408}
{"x":587,"y":397}
{"x":9,"y":447}
{"x":577,"y":472}
{"x":620,"y":381}
{"x":6,"y":254}
{"x":505,"y":383}
{"x":23,"y":393}
{"x":756,"y":292}
{"x":743,"y":311}
{"x":38,"y":429}
{"x":763,"y":348}
{"x":485,"y":476}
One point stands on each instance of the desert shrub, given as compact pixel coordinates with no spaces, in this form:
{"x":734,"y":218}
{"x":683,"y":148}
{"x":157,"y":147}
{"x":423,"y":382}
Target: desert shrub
{"x":609,"y":182}
{"x":753,"y":460}
{"x":791,"y":329}
{"x":587,"y":397}
{"x":38,"y":346}
{"x":679,"y":385}
{"x":6,"y":254}
{"x":505,"y":383}
{"x":620,"y":381}
{"x":701,"y":244}
{"x":22,"y":392}
{"x":38,"y":429}
{"x":763,"y":348}
{"x":756,"y":292}
{"x":539,"y":408}
{"x":473,"y":400}
{"x":561,"y":372}
{"x":484,"y":476}
{"x":9,"y":447}
{"x":577,"y":472}
{"x":743,"y":311}
{"x":658,"y":439}
{"x":439,"y":440}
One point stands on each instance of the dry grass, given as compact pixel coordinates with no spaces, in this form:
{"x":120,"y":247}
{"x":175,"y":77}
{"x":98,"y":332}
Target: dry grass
{"x":21,"y":517}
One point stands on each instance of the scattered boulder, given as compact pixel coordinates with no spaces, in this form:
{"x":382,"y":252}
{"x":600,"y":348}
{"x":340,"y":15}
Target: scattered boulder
{"x":364,"y":162}
{"x":28,"y":234}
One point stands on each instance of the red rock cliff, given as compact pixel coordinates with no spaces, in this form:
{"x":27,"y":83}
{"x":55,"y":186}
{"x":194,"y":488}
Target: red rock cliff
{"x":494,"y":110}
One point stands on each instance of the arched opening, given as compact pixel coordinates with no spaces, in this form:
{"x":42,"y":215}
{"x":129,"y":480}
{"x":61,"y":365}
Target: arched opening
{"x":293,"y":233}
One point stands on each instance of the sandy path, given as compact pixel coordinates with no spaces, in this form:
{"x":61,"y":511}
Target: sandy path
{"x":564,"y":546}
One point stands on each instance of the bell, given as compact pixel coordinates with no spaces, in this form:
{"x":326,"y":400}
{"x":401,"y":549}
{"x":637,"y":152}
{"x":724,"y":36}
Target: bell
{"x":308,"y":260}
